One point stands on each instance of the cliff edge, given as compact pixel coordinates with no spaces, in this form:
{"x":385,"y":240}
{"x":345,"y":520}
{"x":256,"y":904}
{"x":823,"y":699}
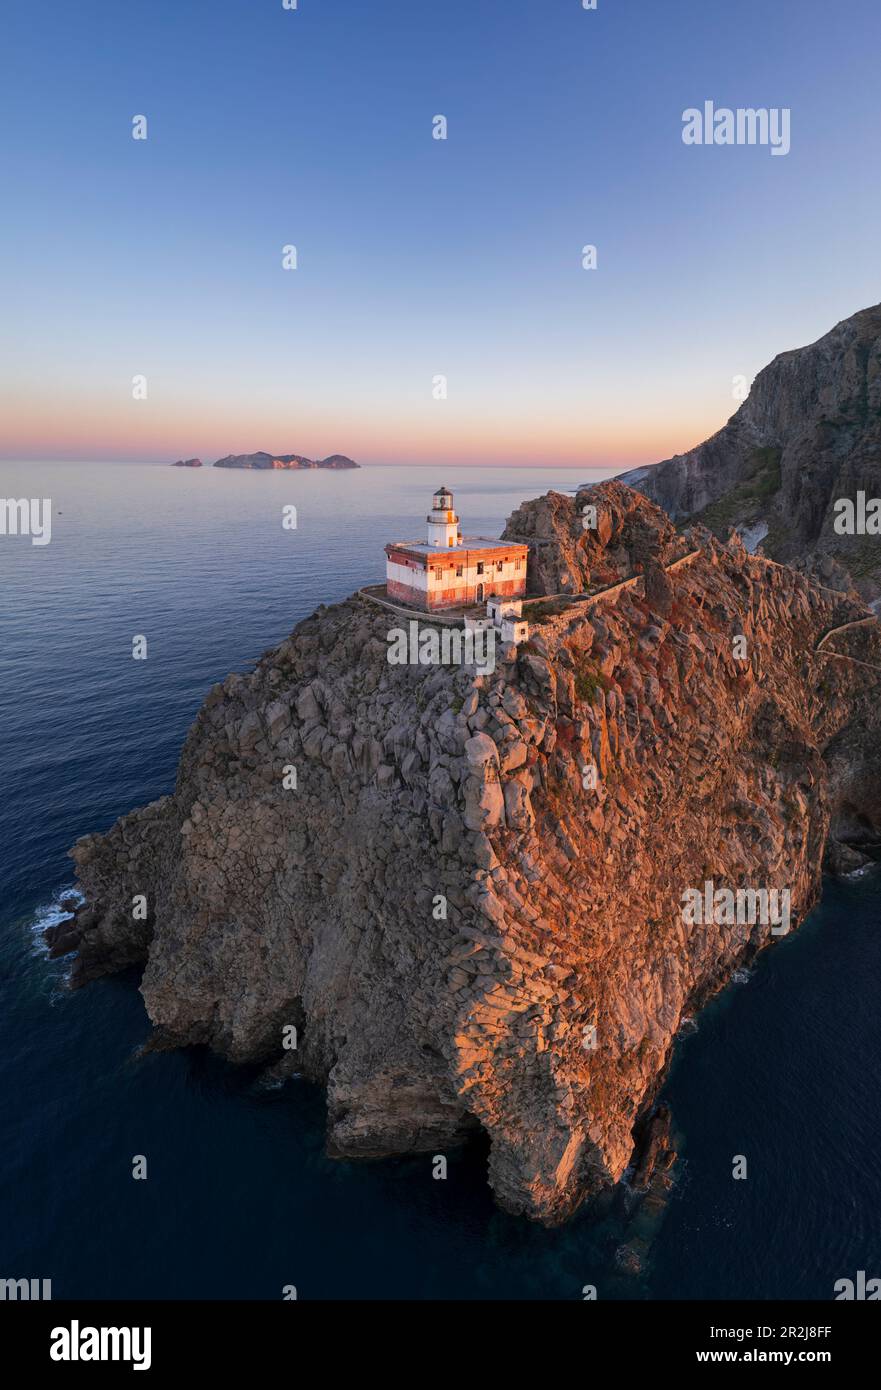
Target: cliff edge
{"x":807,"y":436}
{"x":469,"y":906}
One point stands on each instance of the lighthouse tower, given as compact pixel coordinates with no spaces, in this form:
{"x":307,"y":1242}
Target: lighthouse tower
{"x":443,"y":524}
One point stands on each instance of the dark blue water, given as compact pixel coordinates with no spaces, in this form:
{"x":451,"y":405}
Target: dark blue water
{"x":240,"y":1200}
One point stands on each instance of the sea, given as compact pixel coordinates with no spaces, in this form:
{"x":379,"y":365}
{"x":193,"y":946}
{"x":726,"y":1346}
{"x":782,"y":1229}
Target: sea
{"x":783,"y":1069}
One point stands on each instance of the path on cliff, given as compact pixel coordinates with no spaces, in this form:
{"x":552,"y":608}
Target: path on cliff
{"x":841,"y":627}
{"x":843,"y":656}
{"x":588,"y":600}
{"x":628,"y":583}
{"x":762,"y":560}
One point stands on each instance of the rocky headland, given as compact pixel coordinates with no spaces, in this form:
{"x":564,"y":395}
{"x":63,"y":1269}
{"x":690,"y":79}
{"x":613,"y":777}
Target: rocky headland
{"x":808,"y":434}
{"x":469,"y":906}
{"x":263,"y":460}
{"x":187,"y":463}
{"x":573,"y":549}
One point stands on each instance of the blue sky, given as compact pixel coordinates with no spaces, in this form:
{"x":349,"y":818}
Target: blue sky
{"x":420,"y":257}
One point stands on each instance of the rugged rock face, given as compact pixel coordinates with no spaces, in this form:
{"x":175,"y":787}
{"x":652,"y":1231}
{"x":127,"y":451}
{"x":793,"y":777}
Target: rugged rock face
{"x":573,"y":549}
{"x":808,"y":434}
{"x":187,"y":463}
{"x":278,"y":461}
{"x":470,"y":906}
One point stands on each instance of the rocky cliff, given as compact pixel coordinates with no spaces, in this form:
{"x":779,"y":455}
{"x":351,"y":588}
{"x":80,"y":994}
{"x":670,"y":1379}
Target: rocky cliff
{"x":604,"y":535}
{"x":808,"y":434}
{"x":469,"y":906}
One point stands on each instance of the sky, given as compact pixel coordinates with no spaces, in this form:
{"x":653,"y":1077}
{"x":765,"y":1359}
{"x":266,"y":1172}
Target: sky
{"x":419,"y":258}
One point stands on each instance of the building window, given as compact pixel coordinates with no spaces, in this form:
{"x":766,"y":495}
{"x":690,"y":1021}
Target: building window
{"x":458,"y":571}
{"x":499,"y":565}
{"x":438,"y":572}
{"x":516,"y":564}
{"x":480,"y":567}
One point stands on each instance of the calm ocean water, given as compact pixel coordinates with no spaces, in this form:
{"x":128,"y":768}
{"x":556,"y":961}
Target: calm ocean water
{"x":785,"y":1067}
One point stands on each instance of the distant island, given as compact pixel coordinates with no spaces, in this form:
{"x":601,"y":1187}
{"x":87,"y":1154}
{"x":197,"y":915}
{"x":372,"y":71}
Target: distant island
{"x":277,"y":461}
{"x":187,"y":463}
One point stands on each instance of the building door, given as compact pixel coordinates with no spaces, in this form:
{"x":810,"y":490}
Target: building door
{"x":480,"y":593}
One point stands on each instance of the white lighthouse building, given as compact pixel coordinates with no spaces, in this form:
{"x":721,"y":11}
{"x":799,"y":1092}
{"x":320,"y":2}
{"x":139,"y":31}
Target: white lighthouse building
{"x":447,"y":570}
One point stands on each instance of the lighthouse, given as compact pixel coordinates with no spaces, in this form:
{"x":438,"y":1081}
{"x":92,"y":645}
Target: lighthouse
{"x":449,"y":571}
{"x":443,"y":524}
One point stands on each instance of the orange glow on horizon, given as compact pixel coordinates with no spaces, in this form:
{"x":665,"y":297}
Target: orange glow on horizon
{"x":439,"y":433}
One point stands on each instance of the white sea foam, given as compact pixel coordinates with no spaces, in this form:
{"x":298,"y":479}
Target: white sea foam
{"x":50,"y":914}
